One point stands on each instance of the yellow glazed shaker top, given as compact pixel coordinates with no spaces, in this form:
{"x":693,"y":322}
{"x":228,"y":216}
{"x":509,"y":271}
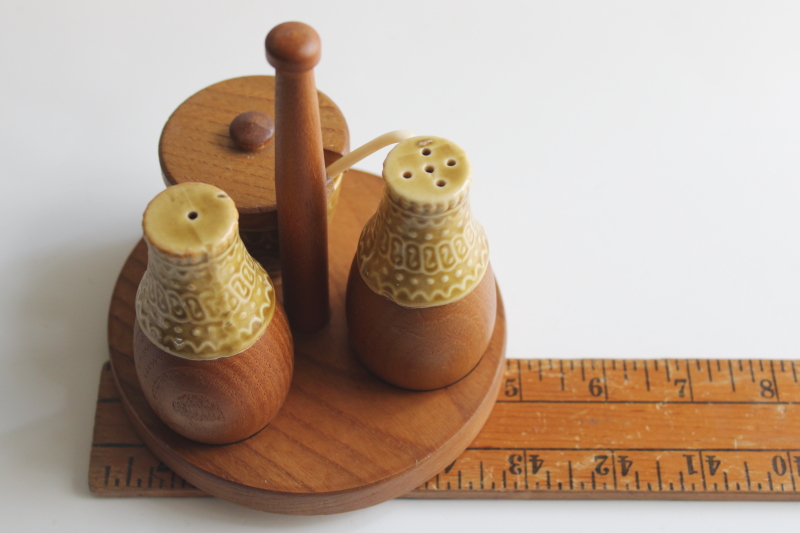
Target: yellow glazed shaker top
{"x":202,"y":296}
{"x":423,"y":248}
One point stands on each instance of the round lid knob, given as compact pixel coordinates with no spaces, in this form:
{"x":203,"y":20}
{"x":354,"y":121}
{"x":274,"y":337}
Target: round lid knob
{"x":252,"y":129}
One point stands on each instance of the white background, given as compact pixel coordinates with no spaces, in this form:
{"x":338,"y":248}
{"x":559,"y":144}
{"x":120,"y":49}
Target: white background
{"x":636,"y":169}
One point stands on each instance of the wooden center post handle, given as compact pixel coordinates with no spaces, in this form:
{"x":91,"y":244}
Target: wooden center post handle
{"x":293,"y":49}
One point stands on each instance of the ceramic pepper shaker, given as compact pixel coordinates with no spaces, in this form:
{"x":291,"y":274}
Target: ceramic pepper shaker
{"x":212,"y":345}
{"x":421,"y":296}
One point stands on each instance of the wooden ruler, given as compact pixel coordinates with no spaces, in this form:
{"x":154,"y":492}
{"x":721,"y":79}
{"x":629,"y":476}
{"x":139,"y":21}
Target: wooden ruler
{"x":591,"y":428}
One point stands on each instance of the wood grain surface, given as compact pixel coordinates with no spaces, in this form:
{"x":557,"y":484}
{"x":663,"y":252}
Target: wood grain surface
{"x":420,"y":348}
{"x":700,"y":429}
{"x":293,"y":48}
{"x":223,"y":400}
{"x":195,"y":145}
{"x":343,"y":439}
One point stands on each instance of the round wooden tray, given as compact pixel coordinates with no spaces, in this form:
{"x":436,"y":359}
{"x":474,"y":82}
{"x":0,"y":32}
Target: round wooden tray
{"x":343,"y":440}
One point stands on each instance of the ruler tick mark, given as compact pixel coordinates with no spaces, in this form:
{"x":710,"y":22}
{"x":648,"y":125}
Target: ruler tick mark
{"x":769,"y":480}
{"x":733,"y":381}
{"x":625,"y":370}
{"x":794,"y":372}
{"x":561,"y":368}
{"x":540,"y":369}
{"x":752,"y":372}
{"x":666,"y":367}
{"x":774,"y":380}
{"x":697,"y":363}
{"x":747,"y":475}
{"x":658,"y":474}
{"x":605,"y":381}
{"x":130,"y":471}
{"x":708,"y":364}
{"x":569,"y":467}
{"x":646,"y":376}
{"x":583,"y":372}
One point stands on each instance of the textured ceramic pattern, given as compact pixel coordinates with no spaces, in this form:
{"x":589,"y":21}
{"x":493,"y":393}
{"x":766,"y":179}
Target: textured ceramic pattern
{"x":203,"y":305}
{"x":423,"y":248}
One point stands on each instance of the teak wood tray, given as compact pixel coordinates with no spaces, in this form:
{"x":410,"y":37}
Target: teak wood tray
{"x":343,"y":440}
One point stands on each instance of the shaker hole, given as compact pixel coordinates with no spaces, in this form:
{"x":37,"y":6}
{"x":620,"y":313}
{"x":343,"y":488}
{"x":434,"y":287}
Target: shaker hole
{"x":407,"y":174}
{"x":429,"y":169}
{"x":192,"y":215}
{"x":441,"y":183}
{"x":426,"y":151}
{"x":451,"y":162}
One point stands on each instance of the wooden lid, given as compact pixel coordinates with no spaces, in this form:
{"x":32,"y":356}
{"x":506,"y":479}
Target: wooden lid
{"x":196,"y":146}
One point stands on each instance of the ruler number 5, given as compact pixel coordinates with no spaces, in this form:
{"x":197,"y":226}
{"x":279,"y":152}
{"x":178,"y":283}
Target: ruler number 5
{"x":510,"y":388}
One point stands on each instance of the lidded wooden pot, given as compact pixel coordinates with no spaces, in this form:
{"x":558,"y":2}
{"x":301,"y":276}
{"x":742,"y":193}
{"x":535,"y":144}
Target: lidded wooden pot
{"x":212,"y":346}
{"x":421,"y":296}
{"x":225,"y":135}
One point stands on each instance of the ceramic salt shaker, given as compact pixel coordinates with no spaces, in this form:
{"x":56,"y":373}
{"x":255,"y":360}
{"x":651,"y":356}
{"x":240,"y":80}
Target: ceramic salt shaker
{"x":212,"y":345}
{"x":421,"y":296}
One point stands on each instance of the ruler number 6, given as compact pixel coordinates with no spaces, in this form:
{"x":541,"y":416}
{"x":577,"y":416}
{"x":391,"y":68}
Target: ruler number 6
{"x":595,"y":388}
